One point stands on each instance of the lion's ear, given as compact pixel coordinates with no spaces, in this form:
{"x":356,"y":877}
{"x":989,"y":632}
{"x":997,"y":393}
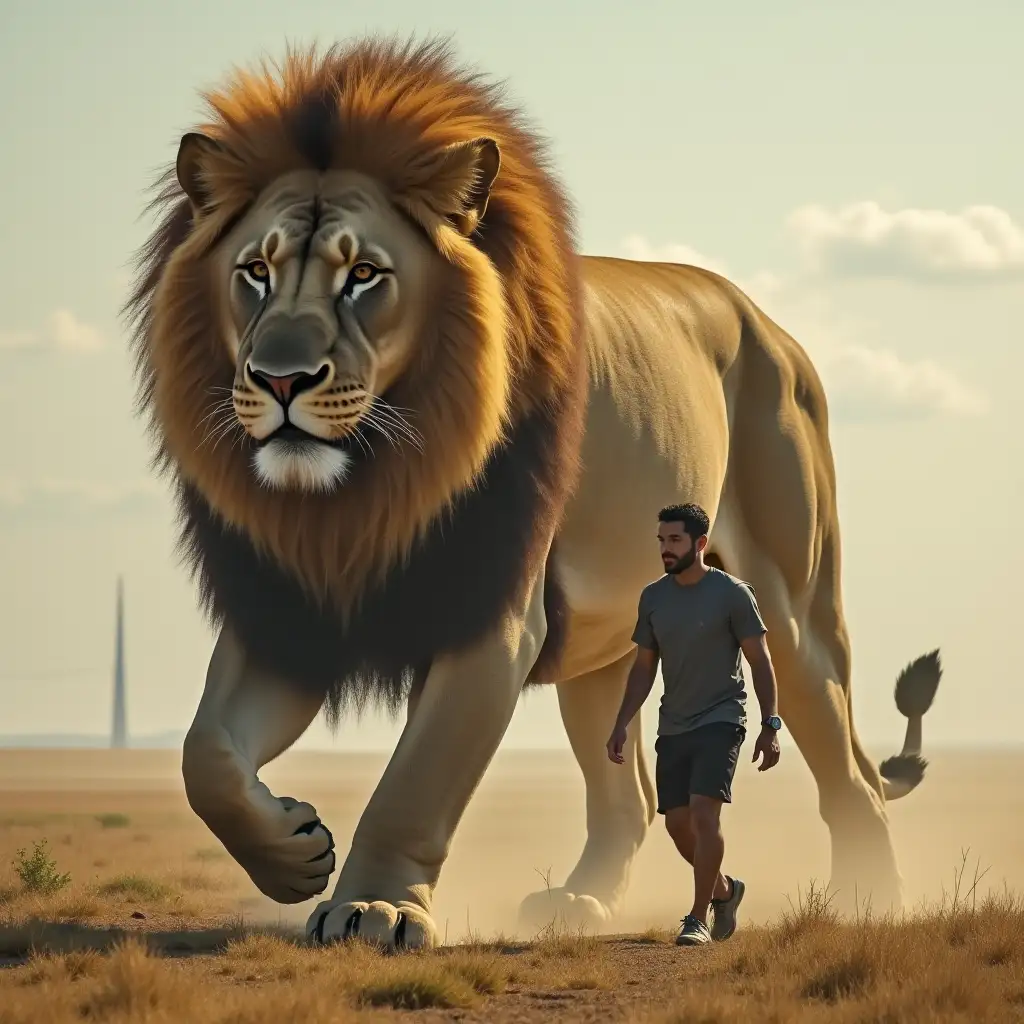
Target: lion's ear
{"x":461,"y":181}
{"x":193,"y":151}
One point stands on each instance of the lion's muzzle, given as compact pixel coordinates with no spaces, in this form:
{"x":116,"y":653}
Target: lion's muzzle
{"x":284,"y":387}
{"x":289,"y":347}
{"x":289,"y":357}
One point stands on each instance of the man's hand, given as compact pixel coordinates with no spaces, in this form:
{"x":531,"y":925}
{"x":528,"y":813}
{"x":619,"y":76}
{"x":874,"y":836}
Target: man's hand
{"x":616,"y":742}
{"x":768,"y":745}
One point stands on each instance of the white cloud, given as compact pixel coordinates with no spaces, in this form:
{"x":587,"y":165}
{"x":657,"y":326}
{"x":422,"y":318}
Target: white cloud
{"x":45,"y":498}
{"x":759,"y":287}
{"x":70,"y":335}
{"x":636,"y":247}
{"x":860,"y":381}
{"x":864,"y":240}
{"x":852,"y":372}
{"x":16,"y":339}
{"x":62,"y":331}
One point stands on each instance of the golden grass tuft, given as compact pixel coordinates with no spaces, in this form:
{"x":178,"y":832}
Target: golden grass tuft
{"x":417,"y":986}
{"x":113,"y":819}
{"x":136,"y":887}
{"x":210,"y":853}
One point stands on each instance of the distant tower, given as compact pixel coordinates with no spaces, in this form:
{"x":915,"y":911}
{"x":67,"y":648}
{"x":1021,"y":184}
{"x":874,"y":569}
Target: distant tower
{"x":119,"y":731}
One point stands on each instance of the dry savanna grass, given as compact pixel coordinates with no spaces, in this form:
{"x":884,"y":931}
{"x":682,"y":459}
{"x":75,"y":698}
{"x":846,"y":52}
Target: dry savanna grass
{"x":264,"y":977}
{"x":116,"y":904}
{"x":962,"y":960}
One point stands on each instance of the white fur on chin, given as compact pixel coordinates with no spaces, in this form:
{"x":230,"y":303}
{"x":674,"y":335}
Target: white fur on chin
{"x":306,"y":466}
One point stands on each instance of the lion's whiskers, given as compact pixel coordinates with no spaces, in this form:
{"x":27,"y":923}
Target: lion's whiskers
{"x":383,"y":429}
{"x":392,"y":424}
{"x":228,"y":426}
{"x":218,"y":407}
{"x":389,"y":421}
{"x":222,"y":426}
{"x":362,"y":441}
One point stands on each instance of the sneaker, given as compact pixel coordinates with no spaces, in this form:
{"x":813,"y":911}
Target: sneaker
{"x":725,"y":911}
{"x":693,"y":932}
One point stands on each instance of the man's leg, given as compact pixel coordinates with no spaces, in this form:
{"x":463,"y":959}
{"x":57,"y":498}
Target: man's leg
{"x":696,"y":829}
{"x":708,"y":853}
{"x":680,"y":828}
{"x":711,"y":787}
{"x":673,"y":777}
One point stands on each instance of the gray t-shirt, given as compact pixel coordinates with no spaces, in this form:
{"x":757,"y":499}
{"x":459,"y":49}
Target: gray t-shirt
{"x":697,"y":629}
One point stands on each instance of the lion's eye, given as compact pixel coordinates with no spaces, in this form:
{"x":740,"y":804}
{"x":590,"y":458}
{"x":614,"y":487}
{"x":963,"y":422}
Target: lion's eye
{"x":363,"y":272}
{"x":258,"y":270}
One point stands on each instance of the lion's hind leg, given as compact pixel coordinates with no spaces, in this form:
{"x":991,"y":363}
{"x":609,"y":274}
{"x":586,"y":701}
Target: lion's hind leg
{"x":777,"y":528}
{"x":620,"y":803}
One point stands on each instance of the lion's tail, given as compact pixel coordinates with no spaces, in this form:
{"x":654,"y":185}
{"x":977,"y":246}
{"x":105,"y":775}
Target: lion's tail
{"x":915,"y":691}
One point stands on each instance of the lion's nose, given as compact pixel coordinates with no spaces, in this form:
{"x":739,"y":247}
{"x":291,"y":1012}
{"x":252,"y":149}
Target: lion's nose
{"x":284,"y":387}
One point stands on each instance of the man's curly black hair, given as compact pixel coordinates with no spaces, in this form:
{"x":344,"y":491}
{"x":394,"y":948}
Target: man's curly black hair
{"x":694,"y":519}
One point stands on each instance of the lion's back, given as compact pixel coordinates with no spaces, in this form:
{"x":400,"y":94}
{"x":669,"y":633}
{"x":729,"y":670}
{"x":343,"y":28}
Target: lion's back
{"x":673,"y":351}
{"x":661,"y":333}
{"x":659,"y":338}
{"x":645,"y":318}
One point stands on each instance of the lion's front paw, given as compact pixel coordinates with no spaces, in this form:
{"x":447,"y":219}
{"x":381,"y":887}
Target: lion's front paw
{"x":561,"y":907}
{"x":288,"y":852}
{"x":393,"y":927}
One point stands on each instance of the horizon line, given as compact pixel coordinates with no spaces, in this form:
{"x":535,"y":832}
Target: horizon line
{"x":171,"y":740}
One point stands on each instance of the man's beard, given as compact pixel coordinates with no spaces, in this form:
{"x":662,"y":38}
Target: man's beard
{"x":682,"y":563}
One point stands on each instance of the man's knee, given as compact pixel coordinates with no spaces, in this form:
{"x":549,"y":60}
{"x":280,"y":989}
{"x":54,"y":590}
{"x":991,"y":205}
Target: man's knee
{"x":705,"y":816}
{"x":677,"y":823}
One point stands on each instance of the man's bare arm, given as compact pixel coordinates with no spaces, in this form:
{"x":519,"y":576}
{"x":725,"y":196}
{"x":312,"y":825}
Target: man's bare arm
{"x":755,"y":650}
{"x":762,"y":671}
{"x":638,"y":686}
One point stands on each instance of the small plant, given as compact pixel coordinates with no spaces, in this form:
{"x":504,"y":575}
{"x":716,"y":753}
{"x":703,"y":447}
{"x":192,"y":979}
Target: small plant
{"x":846,"y":978}
{"x":38,"y":870}
{"x":812,"y":912}
{"x":113,"y":820}
{"x":419,"y":990}
{"x":135,"y":886}
{"x":210,"y":853}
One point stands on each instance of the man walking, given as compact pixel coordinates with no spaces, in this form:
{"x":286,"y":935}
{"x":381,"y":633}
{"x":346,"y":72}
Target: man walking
{"x":696,"y":620}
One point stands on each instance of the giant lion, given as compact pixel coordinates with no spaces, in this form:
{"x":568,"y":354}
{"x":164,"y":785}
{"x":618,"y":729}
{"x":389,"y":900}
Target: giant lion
{"x":419,"y":445}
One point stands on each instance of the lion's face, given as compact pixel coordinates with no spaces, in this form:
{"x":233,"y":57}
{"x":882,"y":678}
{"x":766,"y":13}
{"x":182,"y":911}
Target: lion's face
{"x":324,"y":288}
{"x":362,"y":285}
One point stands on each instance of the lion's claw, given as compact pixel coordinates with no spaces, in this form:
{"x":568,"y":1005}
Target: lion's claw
{"x":291,"y":862}
{"x":391,"y":926}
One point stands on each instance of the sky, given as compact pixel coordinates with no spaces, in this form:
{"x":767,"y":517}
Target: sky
{"x":855,"y":168}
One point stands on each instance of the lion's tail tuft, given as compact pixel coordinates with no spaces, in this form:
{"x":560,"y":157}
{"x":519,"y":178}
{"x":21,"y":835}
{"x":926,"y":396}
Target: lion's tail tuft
{"x":915,"y":690}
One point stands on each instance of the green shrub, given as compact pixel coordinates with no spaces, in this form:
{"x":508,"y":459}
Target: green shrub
{"x":113,"y":820}
{"x":38,"y":870}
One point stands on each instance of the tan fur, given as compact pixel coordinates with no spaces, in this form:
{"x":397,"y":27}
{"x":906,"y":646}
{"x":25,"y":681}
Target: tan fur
{"x":696,"y":395}
{"x":691,"y":393}
{"x":477,"y":371}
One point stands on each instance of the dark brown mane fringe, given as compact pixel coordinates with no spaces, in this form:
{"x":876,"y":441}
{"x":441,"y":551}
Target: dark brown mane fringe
{"x":469,"y":568}
{"x":275,"y":567}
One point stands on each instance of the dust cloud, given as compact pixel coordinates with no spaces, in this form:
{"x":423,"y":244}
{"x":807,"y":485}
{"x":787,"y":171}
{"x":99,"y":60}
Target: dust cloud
{"x":526,"y":823}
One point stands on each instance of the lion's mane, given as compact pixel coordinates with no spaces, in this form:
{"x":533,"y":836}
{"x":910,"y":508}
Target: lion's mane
{"x":354,"y":593}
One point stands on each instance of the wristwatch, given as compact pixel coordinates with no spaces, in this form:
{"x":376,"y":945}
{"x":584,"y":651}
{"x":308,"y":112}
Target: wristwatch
{"x":773,"y":722}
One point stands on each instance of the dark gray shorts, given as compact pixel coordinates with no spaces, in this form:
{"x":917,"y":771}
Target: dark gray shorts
{"x":701,"y":762}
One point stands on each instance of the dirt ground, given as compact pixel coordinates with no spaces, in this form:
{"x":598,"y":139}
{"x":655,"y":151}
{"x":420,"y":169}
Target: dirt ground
{"x":139,"y":862}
